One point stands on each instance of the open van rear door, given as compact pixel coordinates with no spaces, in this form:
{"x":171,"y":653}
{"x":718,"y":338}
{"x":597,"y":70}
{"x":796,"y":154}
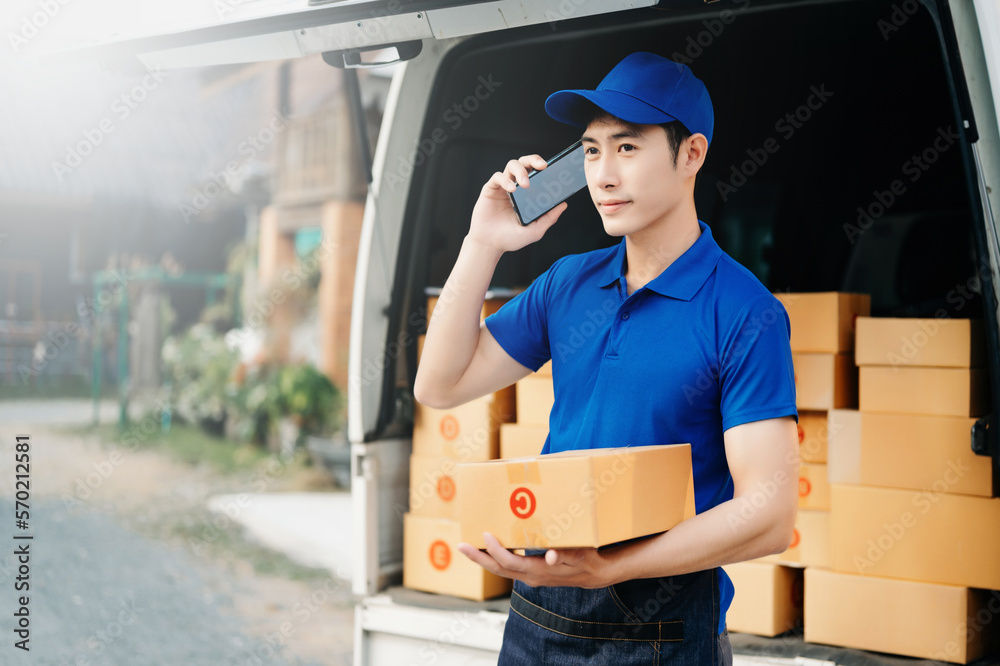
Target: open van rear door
{"x":197,"y":33}
{"x":225,"y":32}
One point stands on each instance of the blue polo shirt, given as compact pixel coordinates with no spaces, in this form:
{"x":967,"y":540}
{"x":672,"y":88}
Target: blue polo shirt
{"x":699,"y":349}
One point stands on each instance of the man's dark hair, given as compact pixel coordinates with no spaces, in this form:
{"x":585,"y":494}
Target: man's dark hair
{"x":675,"y":129}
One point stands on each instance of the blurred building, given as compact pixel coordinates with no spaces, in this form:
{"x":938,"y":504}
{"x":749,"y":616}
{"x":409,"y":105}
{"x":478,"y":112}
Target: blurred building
{"x":126,"y":171}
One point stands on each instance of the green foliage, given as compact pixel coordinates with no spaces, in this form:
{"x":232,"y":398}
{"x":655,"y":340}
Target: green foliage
{"x":197,"y":367}
{"x":208,"y":386}
{"x":309,"y":398}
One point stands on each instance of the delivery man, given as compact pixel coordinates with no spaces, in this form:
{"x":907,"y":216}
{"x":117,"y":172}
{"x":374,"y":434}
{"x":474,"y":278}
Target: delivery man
{"x":682,"y":345}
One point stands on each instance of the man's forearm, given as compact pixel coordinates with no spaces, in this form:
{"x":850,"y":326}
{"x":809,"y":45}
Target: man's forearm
{"x":734,"y":531}
{"x":453,"y":332}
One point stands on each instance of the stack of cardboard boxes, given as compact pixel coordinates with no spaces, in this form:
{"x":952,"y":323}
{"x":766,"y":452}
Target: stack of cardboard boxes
{"x":535,"y":396}
{"x":913,"y":521}
{"x":442,"y":438}
{"x":769,"y":591}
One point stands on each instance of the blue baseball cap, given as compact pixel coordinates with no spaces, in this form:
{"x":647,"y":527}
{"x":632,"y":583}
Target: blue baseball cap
{"x":645,"y":89}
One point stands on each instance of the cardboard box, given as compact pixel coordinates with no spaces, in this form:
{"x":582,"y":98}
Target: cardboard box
{"x":768,"y":598}
{"x":810,"y":545}
{"x":535,"y":397}
{"x":910,"y":618}
{"x":931,"y":537}
{"x":433,"y":491}
{"x":907,"y":451}
{"x":520,"y":441}
{"x":814,"y":488}
{"x":824,"y":321}
{"x":490,"y":305}
{"x":545,"y":370}
{"x":843,"y":464}
{"x":939,"y":391}
{"x":943,"y":343}
{"x":432,"y":564}
{"x":825,"y":381}
{"x":467,"y":432}
{"x":576,"y":498}
{"x":812,"y":436}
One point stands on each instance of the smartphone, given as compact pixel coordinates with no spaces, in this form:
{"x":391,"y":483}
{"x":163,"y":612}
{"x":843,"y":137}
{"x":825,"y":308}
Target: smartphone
{"x":562,"y":178}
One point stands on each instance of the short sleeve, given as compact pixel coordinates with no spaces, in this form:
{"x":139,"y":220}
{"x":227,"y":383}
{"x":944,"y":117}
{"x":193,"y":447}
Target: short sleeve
{"x":520,"y":326}
{"x":756,"y":374}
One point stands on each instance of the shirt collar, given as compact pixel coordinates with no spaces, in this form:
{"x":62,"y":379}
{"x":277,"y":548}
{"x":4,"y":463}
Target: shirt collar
{"x":683,"y":278}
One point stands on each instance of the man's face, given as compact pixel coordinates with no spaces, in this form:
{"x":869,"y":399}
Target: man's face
{"x":631,"y":174}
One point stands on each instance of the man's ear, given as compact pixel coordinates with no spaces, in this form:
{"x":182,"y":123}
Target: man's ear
{"x":692,"y":153}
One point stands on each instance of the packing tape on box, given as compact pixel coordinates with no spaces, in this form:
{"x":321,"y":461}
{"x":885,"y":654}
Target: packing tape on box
{"x":529,"y":533}
{"x":523,"y":472}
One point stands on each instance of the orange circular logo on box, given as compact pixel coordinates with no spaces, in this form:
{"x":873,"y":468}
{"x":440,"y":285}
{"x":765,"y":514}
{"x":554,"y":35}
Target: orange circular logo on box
{"x":795,"y":538}
{"x":522,"y":502}
{"x":449,"y":427}
{"x":802,"y":434}
{"x":446,"y":488}
{"x":804,"y":486}
{"x":440,"y":555}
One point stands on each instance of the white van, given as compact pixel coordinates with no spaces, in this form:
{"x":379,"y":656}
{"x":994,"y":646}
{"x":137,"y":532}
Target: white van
{"x":856,"y":149}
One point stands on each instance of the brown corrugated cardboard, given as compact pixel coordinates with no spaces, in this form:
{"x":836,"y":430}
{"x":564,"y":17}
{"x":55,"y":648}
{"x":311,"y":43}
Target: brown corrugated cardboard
{"x":824,"y":321}
{"x":431,"y":562}
{"x":933,"y":537}
{"x":946,"y":343}
{"x":910,"y":618}
{"x":768,"y":598}
{"x":576,"y":498}
{"x":825,"y":381}
{"x":907,"y":451}
{"x":535,"y":397}
{"x":844,"y":446}
{"x":812,"y":436}
{"x":490,"y":305}
{"x":467,"y":432}
{"x":938,"y":391}
{"x":433,"y":491}
{"x":814,"y":489}
{"x":518,"y":440}
{"x":810,"y":541}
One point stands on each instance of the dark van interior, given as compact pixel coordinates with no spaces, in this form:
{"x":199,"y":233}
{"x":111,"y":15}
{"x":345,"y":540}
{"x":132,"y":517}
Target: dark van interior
{"x":870,"y":188}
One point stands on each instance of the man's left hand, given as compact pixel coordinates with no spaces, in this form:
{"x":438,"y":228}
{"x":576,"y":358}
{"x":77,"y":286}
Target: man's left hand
{"x":573,"y":567}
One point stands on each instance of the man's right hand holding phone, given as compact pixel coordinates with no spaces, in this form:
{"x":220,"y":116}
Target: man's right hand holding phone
{"x":494,"y":222}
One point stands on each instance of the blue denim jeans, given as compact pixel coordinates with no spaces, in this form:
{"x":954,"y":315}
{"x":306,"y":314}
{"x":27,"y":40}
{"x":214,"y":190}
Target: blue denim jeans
{"x":671,"y":620}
